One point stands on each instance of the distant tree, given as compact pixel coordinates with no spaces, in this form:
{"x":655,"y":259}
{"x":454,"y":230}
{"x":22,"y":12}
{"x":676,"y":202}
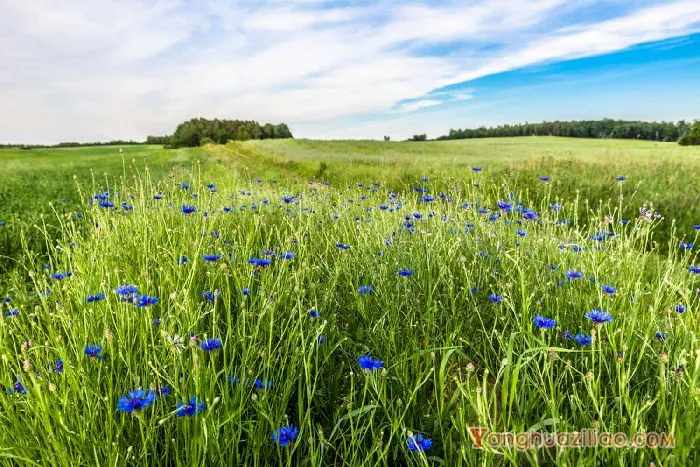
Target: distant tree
{"x":387,"y":138}
{"x":192,"y":132}
{"x":150,"y":139}
{"x":422,"y":137}
{"x":692,"y":136}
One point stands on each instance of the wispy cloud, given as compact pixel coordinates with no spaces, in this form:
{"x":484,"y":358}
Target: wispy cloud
{"x":97,"y":69}
{"x":417,"y":104}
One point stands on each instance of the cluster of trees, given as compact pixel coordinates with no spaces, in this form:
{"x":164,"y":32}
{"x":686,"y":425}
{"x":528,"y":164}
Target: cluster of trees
{"x":163,"y":140}
{"x":422,"y":137}
{"x":692,"y":136}
{"x":198,"y":131}
{"x":606,"y":128}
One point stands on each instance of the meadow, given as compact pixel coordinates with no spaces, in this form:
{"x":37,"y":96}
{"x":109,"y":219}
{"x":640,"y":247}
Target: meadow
{"x":293,"y":302}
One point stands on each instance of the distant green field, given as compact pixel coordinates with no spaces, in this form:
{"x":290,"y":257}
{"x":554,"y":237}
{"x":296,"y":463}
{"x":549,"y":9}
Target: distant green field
{"x":664,"y":174}
{"x":31,"y":179}
{"x":349,"y":303}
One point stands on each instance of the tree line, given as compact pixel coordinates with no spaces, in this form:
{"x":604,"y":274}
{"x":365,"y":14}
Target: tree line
{"x":194,"y":132}
{"x":198,"y":131}
{"x":71,"y":144}
{"x":606,"y":128}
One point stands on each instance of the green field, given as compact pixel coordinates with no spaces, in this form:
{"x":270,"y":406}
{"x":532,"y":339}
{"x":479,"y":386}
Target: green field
{"x":305,"y":259}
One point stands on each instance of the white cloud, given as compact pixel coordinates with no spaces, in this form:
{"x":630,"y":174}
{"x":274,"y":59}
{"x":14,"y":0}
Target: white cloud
{"x":416,"y":105}
{"x":99,"y":69}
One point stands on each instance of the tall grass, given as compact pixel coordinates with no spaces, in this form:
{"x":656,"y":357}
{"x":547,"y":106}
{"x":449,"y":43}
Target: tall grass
{"x":452,"y":357}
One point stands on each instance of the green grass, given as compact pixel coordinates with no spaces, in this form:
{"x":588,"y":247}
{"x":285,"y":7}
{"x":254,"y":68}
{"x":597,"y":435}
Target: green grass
{"x":452,"y":358}
{"x":42,"y":182}
{"x":663,"y":174}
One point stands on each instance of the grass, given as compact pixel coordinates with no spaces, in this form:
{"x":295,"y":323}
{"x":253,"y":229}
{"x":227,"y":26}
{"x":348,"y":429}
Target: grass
{"x":457,"y":340}
{"x":43,"y":182}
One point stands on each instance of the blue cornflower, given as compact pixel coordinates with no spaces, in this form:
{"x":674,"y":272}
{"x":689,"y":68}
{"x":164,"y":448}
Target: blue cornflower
{"x":185,"y":186}
{"x":544,"y":323}
{"x":211,"y":296}
{"x":59,"y":276}
{"x":7,"y":299}
{"x":343,"y":246}
{"x":213,"y":257}
{"x":106,"y":204}
{"x":608,"y":289}
{"x":694,"y":269}
{"x":163,"y":392}
{"x":661,"y":336}
{"x":598,"y":316}
{"x":211,"y":344}
{"x":322,"y":339}
{"x":313,"y":313}
{"x":365,"y":289}
{"x":368,"y":363}
{"x":621,"y":178}
{"x":58,"y":367}
{"x":287,"y":255}
{"x":183,"y":260}
{"x":189,"y":409}
{"x":583,"y":339}
{"x":93,"y":351}
{"x":495,"y":298}
{"x":686,"y":246}
{"x":95,"y":298}
{"x":12,"y":312}
{"x":504,"y":205}
{"x":287,"y":199}
{"x":680,"y":308}
{"x":476,"y":169}
{"x":427,"y":199}
{"x":158,"y":197}
{"x":530,"y":215}
{"x":696,"y":227}
{"x":419,"y":443}
{"x":135,"y":401}
{"x":260,"y":262}
{"x":405,"y":272}
{"x":571,"y":274}
{"x":125,"y":290}
{"x":143,"y":301}
{"x":188,"y":209}
{"x":285,"y":435}
{"x":521,"y":233}
{"x":18,"y":387}
{"x":544,"y":179}
{"x":246,"y":291}
{"x":260,"y":384}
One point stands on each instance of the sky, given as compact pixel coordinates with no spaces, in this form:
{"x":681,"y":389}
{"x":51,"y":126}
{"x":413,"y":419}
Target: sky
{"x":95,"y":70}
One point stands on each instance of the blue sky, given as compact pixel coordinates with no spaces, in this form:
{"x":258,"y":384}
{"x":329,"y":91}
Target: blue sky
{"x":99,"y":69}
